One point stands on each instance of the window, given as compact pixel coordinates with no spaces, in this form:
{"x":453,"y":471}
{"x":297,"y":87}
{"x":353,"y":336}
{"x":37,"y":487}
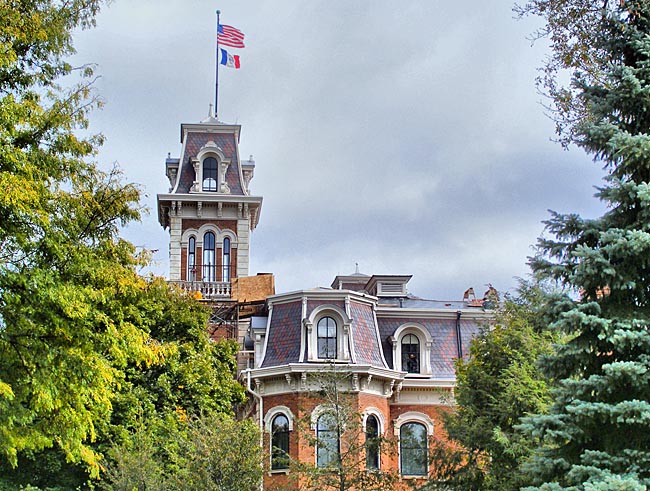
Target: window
{"x":326,"y":338}
{"x":208,"y":257}
{"x":327,"y":441}
{"x":226,"y":259}
{"x":411,"y":353}
{"x":191,"y":259}
{"x":413,"y":448}
{"x":210,"y":174}
{"x":412,"y":348}
{"x":280,"y":442}
{"x":372,"y":442}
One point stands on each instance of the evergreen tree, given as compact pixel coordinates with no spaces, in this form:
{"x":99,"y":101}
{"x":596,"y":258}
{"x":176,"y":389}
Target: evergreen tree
{"x":496,"y":386}
{"x":597,"y":434}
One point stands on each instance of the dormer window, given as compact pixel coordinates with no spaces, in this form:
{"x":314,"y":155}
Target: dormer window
{"x":210,"y":169}
{"x":411,"y":354}
{"x":412,"y":345}
{"x":328,"y":334}
{"x":210,"y":174}
{"x":326,"y":338}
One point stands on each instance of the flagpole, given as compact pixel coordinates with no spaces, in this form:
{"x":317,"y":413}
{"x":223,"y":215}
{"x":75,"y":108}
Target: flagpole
{"x":216,"y":85}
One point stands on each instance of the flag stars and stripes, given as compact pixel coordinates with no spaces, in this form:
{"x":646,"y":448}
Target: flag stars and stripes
{"x":230,"y":36}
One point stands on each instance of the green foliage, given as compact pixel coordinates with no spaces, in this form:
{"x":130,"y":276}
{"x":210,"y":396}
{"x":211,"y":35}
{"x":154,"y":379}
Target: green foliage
{"x":204,"y":453}
{"x":597,"y":434}
{"x":88,"y":348}
{"x":497,"y":385}
{"x":195,"y":376}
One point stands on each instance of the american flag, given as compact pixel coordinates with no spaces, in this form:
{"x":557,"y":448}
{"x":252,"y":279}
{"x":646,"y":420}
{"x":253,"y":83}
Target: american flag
{"x":229,"y":36}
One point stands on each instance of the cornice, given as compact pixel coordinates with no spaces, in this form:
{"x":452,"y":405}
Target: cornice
{"x":325,"y":295}
{"x":280,"y":370}
{"x":392,"y":312}
{"x":210,"y":128}
{"x":210,"y":198}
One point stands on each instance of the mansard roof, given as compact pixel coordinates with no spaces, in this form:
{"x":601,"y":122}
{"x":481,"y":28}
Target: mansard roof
{"x":195,"y":137}
{"x":285,"y":336}
{"x":374,"y":322}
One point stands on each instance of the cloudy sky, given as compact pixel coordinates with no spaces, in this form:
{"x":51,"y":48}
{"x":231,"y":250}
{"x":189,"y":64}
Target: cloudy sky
{"x":405,"y":136}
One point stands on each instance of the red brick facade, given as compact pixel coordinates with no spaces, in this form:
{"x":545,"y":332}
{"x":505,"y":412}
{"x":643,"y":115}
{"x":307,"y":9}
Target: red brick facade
{"x":302,"y":404}
{"x":195,"y":224}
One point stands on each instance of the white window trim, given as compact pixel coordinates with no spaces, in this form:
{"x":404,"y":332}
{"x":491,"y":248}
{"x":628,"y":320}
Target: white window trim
{"x":268,"y":422}
{"x":412,"y":417}
{"x":210,"y":149}
{"x":373,"y":411}
{"x":317,"y":412}
{"x":343,"y":325}
{"x":377,"y":414}
{"x":273,"y":412}
{"x":426,"y":343}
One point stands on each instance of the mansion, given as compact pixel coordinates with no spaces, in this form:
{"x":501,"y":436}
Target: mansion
{"x":395,"y":351}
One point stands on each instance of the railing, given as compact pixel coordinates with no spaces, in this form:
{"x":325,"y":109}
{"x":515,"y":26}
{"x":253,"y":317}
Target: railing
{"x":207,"y":289}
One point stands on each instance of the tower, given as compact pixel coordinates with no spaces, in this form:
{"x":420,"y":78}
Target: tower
{"x":209,"y":210}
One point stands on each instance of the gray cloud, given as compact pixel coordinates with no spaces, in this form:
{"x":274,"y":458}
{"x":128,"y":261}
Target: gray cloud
{"x":409,"y":139}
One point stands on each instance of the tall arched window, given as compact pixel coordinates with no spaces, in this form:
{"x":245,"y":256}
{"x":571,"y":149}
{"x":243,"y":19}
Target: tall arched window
{"x":210,"y":174}
{"x":226,"y":259}
{"x":191,"y":259}
{"x":326,"y":331}
{"x":280,"y":442}
{"x":208,"y":257}
{"x":411,"y":353}
{"x":327,"y":444}
{"x":413,"y":449}
{"x":372,"y":442}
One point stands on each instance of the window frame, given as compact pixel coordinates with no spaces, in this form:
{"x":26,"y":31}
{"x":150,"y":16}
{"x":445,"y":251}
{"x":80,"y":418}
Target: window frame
{"x":329,"y":341}
{"x":279,"y":452}
{"x":426,"y":345}
{"x":209,"y":263}
{"x":269,"y":418}
{"x":190,"y":274}
{"x":407,"y":418}
{"x":210,"y":150}
{"x":226,"y":259}
{"x":376,"y":456}
{"x":411,"y":356}
{"x":407,"y":452}
{"x":333,"y":455}
{"x":213,"y":172}
{"x":310,"y":334}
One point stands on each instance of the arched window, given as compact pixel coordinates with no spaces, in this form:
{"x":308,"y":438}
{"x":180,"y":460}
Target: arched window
{"x":327,"y":441}
{"x":226,"y":259}
{"x":191,"y":259}
{"x":413,"y":449}
{"x":210,"y":174}
{"x":326,"y":338}
{"x":280,"y":442}
{"x":208,"y":257}
{"x":372,"y":442}
{"x":411,"y":353}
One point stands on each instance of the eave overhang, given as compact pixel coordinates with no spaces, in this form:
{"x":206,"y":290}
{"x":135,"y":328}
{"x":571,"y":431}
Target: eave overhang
{"x":164,"y":202}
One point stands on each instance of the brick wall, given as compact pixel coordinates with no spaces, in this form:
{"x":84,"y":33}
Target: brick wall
{"x":302,"y":405}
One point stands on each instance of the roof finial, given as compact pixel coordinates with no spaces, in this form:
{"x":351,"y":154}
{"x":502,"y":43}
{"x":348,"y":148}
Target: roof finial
{"x":356,"y":268}
{"x":210,"y":111}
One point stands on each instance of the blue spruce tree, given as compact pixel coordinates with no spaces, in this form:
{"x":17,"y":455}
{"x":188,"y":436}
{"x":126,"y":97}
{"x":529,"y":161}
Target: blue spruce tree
{"x":597,"y":434}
